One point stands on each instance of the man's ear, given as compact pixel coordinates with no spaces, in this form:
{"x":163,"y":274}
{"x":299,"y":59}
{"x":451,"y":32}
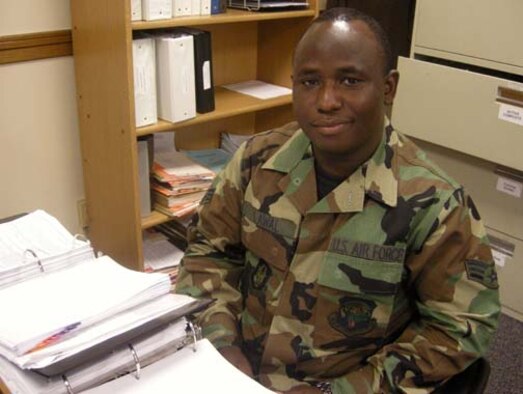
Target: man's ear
{"x":391,"y":84}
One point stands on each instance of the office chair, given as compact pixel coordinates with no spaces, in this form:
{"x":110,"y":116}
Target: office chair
{"x":472,"y":380}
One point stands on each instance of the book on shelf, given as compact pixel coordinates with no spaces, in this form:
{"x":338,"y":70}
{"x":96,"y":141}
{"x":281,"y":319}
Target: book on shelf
{"x":66,"y":310}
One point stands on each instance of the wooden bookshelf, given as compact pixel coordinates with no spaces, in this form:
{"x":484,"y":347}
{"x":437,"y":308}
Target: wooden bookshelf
{"x":245,"y":45}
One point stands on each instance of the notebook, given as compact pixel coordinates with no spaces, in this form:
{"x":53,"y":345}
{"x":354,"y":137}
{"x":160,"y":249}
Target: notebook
{"x":63,"y":308}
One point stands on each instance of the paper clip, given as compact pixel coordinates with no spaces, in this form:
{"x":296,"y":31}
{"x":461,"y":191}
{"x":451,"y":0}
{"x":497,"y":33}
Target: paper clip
{"x":193,"y":331}
{"x":136,"y":362}
{"x":67,"y":385}
{"x":36,"y":257}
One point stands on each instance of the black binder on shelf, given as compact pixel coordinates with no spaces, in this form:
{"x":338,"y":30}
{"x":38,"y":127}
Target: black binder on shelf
{"x":202,"y":68}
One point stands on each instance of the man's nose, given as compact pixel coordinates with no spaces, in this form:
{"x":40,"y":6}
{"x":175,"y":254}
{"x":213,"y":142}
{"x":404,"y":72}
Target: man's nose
{"x":329,"y":98}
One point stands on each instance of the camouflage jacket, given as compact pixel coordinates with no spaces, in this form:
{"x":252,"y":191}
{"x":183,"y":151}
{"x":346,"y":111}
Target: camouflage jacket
{"x":385,"y":284}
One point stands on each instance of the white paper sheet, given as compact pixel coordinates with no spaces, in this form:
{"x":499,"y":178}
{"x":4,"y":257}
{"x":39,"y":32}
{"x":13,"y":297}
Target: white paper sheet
{"x":259,"y":89}
{"x":186,"y":371}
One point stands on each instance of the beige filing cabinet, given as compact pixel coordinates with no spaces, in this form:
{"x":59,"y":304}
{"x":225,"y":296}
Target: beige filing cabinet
{"x":461,"y":91}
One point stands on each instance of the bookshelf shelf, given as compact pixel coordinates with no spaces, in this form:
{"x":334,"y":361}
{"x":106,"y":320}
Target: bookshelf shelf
{"x":231,"y":16}
{"x":245,"y":46}
{"x":228,"y":104}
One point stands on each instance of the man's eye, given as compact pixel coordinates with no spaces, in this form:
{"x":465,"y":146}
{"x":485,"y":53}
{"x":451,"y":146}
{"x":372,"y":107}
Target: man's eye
{"x":310,"y":82}
{"x":350,"y":81}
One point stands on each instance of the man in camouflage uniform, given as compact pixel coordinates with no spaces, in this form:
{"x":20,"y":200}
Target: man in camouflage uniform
{"x":336,"y":251}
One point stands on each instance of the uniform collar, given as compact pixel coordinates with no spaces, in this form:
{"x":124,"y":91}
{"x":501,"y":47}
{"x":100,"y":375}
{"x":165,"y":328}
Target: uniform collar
{"x":378,"y":175}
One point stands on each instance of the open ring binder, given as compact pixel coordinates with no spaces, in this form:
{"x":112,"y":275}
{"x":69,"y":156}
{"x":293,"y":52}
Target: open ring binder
{"x":67,"y":385}
{"x":36,"y":257}
{"x":136,"y":362}
{"x":190,"y":324}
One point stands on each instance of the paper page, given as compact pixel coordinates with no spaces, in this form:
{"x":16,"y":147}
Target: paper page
{"x":179,"y":165}
{"x":259,"y":89}
{"x":159,"y":253}
{"x":186,"y":371}
{"x":38,"y":231}
{"x":102,"y":332}
{"x":61,"y":301}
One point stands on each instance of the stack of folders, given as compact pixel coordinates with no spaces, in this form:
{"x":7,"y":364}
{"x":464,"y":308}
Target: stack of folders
{"x":69,"y":314}
{"x":149,"y":10}
{"x":173,"y":77}
{"x":178,"y":183}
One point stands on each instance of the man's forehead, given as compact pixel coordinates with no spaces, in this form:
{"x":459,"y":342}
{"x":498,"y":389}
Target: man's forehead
{"x":352,"y":32}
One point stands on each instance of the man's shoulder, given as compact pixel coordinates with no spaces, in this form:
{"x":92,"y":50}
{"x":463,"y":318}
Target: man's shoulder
{"x":274,"y":138}
{"x":413,"y":164}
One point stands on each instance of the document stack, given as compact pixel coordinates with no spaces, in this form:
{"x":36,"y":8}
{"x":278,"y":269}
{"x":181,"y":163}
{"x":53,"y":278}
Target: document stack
{"x":178,"y":183}
{"x":72,"y":320}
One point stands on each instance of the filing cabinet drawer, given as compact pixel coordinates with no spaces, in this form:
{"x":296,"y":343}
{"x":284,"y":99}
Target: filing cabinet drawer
{"x":480,"y":32}
{"x":459,"y":110}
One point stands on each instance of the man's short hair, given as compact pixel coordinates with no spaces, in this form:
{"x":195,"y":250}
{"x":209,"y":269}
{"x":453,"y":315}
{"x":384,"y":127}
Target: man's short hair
{"x":350,"y":14}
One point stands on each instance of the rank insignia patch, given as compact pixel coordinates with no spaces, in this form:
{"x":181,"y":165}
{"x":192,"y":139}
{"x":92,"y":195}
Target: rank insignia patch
{"x":354,"y":317}
{"x":260,"y":275}
{"x":482,"y":272}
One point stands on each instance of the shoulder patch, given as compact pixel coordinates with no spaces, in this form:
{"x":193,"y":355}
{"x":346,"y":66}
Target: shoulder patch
{"x":482,"y":272}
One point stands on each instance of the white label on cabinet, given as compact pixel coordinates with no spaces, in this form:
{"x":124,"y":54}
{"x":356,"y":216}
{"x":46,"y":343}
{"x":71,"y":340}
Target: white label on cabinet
{"x":206,"y":71}
{"x":511,"y":113}
{"x":499,"y":258}
{"x":508,"y":186}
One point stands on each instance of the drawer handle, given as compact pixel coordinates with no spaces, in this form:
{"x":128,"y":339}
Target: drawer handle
{"x":510,"y":96}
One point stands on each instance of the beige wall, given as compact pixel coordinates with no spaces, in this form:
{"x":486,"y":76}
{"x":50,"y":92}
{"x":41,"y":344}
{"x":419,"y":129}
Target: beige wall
{"x":29,"y":16}
{"x":40,"y":164}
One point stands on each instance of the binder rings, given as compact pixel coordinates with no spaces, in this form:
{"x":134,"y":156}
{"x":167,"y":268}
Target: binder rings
{"x":65,"y":310}
{"x":186,"y":371}
{"x":130,"y":357}
{"x":202,"y":67}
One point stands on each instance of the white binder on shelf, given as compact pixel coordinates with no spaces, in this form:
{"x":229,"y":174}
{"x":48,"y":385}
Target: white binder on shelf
{"x":144,"y":70}
{"x":182,"y":8}
{"x":176,"y":80}
{"x":136,"y":10}
{"x":196,"y":7}
{"x":205,"y":8}
{"x":157,"y":9}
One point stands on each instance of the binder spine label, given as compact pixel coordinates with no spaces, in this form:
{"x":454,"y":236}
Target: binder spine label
{"x":206,"y":72}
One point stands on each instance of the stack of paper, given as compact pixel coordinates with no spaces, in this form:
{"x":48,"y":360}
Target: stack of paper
{"x":51,"y":307}
{"x":202,"y":371}
{"x":74,"y":301}
{"x":160,"y":254}
{"x":150,"y":347}
{"x":37,"y":242}
{"x":179,"y":183}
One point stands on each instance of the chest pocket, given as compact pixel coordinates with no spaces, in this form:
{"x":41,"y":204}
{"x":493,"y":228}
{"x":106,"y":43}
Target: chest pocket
{"x":269,"y":241}
{"x":356,"y":297}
